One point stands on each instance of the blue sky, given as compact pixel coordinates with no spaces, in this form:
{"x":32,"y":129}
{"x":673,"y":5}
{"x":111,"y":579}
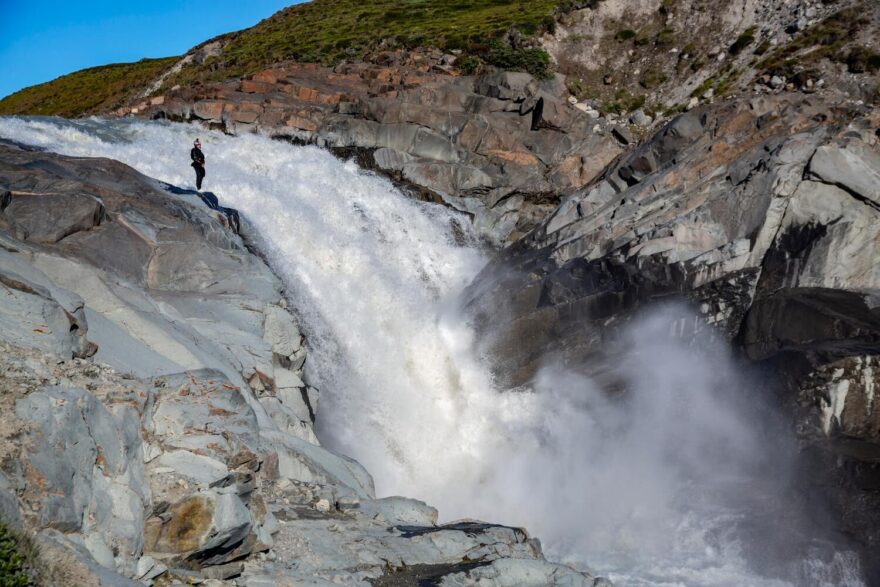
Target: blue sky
{"x":41,"y":40}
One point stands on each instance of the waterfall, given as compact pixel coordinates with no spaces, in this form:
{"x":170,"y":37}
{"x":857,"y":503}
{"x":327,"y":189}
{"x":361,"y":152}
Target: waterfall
{"x":644,"y":491}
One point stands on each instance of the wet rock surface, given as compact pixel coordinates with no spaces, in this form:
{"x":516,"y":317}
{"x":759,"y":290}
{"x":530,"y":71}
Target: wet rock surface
{"x":470,"y":141}
{"x":155,"y":424}
{"x":761,"y":213}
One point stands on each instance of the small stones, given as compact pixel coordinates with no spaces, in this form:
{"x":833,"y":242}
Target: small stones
{"x":622,"y":134}
{"x":640,"y":118}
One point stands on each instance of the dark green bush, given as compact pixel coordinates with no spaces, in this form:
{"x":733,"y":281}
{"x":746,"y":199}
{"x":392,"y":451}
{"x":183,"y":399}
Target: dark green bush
{"x":763,"y":47}
{"x":665,"y":37}
{"x":533,"y":60}
{"x":13,"y":566}
{"x":743,"y":41}
{"x":625,"y":35}
{"x":862,"y":60}
{"x":624,"y":102}
{"x":469,"y":64}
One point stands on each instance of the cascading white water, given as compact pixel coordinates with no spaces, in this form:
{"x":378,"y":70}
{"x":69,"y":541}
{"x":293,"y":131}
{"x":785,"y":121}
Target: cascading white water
{"x":631,"y":488}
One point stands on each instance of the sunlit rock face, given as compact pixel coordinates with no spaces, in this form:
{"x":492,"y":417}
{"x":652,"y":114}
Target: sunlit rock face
{"x":157,"y":414}
{"x":643,"y":484}
{"x":473,"y":142}
{"x":764,"y":215}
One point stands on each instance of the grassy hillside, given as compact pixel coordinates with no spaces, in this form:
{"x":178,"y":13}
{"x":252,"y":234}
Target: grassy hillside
{"x":328,"y":31}
{"x":323,"y":31}
{"x":87,"y":91}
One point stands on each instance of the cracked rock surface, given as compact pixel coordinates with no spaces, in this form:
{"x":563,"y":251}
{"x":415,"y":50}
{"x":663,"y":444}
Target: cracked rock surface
{"x":155,"y":424}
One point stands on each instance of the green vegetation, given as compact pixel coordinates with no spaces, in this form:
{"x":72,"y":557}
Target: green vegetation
{"x":323,"y":31}
{"x":623,"y":102}
{"x":720,"y":83}
{"x":580,"y":89}
{"x":825,"y":40}
{"x":665,"y":37}
{"x":625,"y":35}
{"x":469,"y":64}
{"x":862,"y":59}
{"x":652,"y":78}
{"x":329,"y":31}
{"x":675,"y":109}
{"x":666,"y":6}
{"x":534,"y":60}
{"x":763,"y":47}
{"x":744,"y":40}
{"x":14,"y":554}
{"x":87,"y":91}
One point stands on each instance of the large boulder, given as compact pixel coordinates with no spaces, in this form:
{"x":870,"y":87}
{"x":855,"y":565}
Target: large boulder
{"x":48,"y":218}
{"x":83,"y":471}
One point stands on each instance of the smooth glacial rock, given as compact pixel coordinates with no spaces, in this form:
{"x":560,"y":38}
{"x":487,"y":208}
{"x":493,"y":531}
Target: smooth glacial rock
{"x":48,"y":218}
{"x":853,"y":167}
{"x":522,"y":573}
{"x":85,"y":473}
{"x":280,"y":331}
{"x":184,"y":448}
{"x":399,"y":511}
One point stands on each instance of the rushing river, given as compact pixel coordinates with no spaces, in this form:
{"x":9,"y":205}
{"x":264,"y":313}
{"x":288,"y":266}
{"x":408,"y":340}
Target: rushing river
{"x":655,"y":490}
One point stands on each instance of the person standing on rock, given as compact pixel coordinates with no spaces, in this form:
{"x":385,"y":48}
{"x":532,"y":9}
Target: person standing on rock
{"x":198,"y":163}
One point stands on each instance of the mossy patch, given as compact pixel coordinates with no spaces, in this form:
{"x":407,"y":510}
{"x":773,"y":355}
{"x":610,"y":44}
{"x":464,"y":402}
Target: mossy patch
{"x":15,"y":559}
{"x":188,"y":525}
{"x":624,"y":102}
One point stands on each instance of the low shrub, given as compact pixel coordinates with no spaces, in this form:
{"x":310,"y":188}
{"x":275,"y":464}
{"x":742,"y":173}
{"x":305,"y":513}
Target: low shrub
{"x":862,"y":60}
{"x":652,"y":78}
{"x":469,"y":64}
{"x":533,"y":60}
{"x":14,"y":563}
{"x":743,"y":41}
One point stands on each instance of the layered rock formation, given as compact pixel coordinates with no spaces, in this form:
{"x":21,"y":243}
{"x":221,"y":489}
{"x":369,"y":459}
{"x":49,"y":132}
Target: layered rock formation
{"x":477,"y":143}
{"x":765,"y":215}
{"x":156,"y":428}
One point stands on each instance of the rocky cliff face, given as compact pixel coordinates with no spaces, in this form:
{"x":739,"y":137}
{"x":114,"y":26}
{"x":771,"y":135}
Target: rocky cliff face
{"x":156,"y":428}
{"x":665,"y":55}
{"x":482,"y":144}
{"x":762,"y":213}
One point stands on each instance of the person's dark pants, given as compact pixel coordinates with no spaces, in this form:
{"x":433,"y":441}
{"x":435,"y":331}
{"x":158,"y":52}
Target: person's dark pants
{"x":200,"y":175}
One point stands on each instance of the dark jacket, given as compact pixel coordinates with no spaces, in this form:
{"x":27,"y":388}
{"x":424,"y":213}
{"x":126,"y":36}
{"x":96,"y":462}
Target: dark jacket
{"x":198,"y":158}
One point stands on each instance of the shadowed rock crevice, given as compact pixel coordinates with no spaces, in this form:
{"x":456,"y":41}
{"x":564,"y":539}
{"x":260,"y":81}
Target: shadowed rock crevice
{"x":761,"y":214}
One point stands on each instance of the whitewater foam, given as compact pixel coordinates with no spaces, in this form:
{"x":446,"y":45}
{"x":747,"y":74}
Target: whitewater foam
{"x":629,"y":487}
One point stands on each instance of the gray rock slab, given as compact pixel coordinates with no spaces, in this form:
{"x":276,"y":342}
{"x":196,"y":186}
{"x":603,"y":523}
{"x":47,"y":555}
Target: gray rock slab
{"x":48,"y":218}
{"x":855,"y":167}
{"x":399,"y":511}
